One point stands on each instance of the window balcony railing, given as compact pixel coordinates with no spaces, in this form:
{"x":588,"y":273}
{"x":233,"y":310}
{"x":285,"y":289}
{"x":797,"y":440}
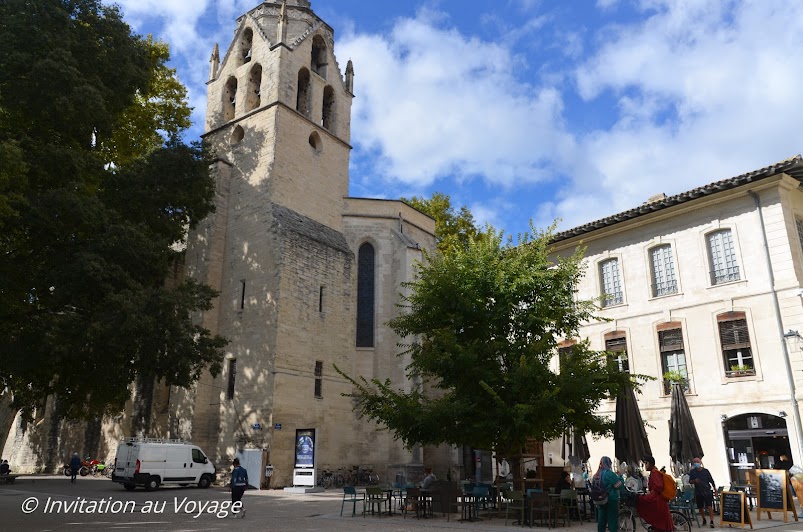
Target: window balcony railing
{"x":665,"y":288}
{"x":725,"y":275}
{"x":612,"y":298}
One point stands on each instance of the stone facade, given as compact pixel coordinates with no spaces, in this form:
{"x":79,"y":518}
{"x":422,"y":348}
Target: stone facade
{"x":750,"y":411}
{"x":282,"y":250}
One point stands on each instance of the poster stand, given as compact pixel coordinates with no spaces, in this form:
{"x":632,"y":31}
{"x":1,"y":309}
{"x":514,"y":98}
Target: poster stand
{"x":774,"y":493}
{"x":733,"y":509}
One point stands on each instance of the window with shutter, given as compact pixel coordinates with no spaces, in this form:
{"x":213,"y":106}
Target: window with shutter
{"x":617,"y":352}
{"x":722,"y":257}
{"x":673,"y":356}
{"x":663,"y":271}
{"x":318,"y":379}
{"x":737,"y":354}
{"x":611,"y":283}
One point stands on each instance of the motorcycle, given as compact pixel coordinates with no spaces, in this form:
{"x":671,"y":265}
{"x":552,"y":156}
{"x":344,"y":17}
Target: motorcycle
{"x":84,"y":471}
{"x":87,"y":466}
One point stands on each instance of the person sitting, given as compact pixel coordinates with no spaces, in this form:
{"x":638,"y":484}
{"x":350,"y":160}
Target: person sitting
{"x":429,"y":479}
{"x":5,"y":469}
{"x":564,"y":482}
{"x":652,"y":507}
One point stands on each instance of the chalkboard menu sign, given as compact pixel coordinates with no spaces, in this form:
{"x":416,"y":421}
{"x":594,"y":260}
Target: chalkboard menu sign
{"x":733,"y":509}
{"x":774,"y":493}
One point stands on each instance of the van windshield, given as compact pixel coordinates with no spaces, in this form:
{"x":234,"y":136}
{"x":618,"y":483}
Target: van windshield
{"x":197,"y":456}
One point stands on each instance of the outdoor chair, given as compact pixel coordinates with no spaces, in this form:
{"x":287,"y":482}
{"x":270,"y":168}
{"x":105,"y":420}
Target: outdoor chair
{"x":568,"y":499}
{"x":411,"y":501}
{"x":685,"y":504}
{"x":350,"y":495}
{"x":375,"y":497}
{"x":540,"y":504}
{"x":515,"y":502}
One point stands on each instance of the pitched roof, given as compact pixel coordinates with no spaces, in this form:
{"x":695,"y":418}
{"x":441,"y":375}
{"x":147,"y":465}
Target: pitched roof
{"x":792,"y":166}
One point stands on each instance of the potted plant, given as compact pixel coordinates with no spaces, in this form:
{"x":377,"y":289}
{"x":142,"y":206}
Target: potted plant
{"x":672,"y":377}
{"x":740,"y":370}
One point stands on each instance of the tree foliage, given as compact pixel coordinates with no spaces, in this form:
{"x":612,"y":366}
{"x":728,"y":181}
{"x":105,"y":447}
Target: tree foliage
{"x":88,"y":303}
{"x":452,"y":229}
{"x":483,"y":324}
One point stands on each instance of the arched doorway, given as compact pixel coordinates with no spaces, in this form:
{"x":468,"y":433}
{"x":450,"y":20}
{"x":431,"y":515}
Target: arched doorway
{"x":755,"y":441}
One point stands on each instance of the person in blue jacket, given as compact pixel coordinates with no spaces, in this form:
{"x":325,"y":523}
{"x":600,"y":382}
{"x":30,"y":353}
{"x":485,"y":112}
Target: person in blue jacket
{"x":75,"y":466}
{"x":239,"y":483}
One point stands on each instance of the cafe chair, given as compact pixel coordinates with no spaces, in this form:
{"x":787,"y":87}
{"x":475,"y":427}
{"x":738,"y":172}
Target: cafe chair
{"x":375,"y":497}
{"x":515,"y":502}
{"x":350,"y":495}
{"x":541,"y":505}
{"x":568,"y":499}
{"x":685,"y":503}
{"x":412,"y":498}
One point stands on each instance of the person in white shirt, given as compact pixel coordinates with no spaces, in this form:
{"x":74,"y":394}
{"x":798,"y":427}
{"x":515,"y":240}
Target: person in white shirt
{"x":428,"y":479}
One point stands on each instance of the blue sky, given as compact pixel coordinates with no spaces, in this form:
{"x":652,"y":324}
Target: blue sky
{"x":540,"y":109}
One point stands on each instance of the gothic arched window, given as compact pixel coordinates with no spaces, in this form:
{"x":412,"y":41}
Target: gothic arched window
{"x":229,"y":99}
{"x":318,"y":61}
{"x":245,"y":46}
{"x":328,"y":115}
{"x":365,"y":296}
{"x":254,"y":96}
{"x":304,"y":92}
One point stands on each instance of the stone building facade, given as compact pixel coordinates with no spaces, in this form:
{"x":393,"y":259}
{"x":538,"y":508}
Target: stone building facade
{"x":308,"y":276}
{"x":707,"y":283}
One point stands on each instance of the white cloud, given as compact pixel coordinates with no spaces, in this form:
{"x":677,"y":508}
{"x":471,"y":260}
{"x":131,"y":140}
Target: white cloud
{"x":706,"y":90}
{"x":436,"y":103}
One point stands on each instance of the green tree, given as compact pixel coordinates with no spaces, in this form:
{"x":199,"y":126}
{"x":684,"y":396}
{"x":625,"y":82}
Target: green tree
{"x":482,"y":325}
{"x":88,"y":303}
{"x":452,"y":229}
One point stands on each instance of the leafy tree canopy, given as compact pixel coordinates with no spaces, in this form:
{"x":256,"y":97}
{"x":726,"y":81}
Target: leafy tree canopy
{"x":482,"y":325}
{"x":452,"y":229}
{"x":88,"y":303}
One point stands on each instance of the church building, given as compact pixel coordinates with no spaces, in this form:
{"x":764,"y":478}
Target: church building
{"x":308,"y":276}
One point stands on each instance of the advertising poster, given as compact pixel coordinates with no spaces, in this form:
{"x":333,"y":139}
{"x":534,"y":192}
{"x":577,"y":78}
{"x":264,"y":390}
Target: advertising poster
{"x":305,"y":448}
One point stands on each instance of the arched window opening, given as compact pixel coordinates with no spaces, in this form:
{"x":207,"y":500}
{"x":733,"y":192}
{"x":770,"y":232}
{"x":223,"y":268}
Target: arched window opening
{"x":254,"y":94}
{"x":237,"y":135}
{"x":245,"y":46}
{"x":722,"y":257}
{"x":664,"y":281}
{"x":365,"y":296}
{"x":315,"y":141}
{"x":303,"y":102}
{"x":318,"y":62}
{"x":328,"y":116}
{"x":229,"y":99}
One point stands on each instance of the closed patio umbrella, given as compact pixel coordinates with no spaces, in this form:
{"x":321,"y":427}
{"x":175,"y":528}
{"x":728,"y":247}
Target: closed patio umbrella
{"x":630,"y":437}
{"x":575,"y":446}
{"x":684,"y":443}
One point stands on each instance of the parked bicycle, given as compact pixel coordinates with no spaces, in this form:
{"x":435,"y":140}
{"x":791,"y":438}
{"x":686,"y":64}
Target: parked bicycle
{"x":628,"y":515}
{"x":327,"y":479}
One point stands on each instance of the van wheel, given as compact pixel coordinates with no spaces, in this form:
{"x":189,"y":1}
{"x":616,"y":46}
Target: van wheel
{"x":130,"y":487}
{"x":204,"y":482}
{"x":152,"y":484}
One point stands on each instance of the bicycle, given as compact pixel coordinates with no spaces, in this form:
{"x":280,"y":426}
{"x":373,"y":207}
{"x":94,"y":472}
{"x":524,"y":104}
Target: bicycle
{"x":327,"y":479}
{"x":628,"y":514}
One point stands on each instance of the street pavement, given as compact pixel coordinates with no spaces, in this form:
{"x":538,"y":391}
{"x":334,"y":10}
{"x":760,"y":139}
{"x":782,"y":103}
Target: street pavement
{"x":92,"y":504}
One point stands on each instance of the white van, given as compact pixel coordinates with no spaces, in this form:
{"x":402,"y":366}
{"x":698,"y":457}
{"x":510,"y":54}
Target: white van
{"x":151,"y":463}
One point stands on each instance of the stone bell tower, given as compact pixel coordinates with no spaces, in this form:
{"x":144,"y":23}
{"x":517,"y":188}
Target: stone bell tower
{"x":277,"y":121}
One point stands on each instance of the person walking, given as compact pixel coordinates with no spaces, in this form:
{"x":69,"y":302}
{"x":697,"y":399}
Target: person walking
{"x":703,"y":483}
{"x":608,"y":511}
{"x":239,"y":483}
{"x":652,"y":507}
{"x":75,"y":467}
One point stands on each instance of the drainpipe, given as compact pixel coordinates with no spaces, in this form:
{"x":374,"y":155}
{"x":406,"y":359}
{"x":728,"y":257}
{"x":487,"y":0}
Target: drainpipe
{"x":787,"y":361}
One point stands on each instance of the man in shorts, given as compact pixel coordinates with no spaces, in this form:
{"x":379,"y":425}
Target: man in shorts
{"x":703,"y":483}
